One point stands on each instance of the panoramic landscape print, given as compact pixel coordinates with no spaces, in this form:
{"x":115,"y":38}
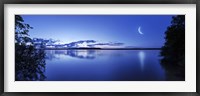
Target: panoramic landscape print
{"x":99,"y":47}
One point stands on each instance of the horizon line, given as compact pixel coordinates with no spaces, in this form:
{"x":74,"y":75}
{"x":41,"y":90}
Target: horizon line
{"x":85,"y":48}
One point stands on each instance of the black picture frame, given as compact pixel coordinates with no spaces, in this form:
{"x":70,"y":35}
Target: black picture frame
{"x":2,"y":2}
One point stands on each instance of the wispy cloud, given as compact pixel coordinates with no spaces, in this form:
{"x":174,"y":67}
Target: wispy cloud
{"x":109,"y":44}
{"x":82,"y":41}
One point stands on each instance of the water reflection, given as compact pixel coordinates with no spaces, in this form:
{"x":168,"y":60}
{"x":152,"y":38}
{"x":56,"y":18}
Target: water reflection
{"x":103,"y":65}
{"x":29,"y":64}
{"x":173,"y":72}
{"x":141,"y":56}
{"x":90,"y":65}
{"x":81,"y":54}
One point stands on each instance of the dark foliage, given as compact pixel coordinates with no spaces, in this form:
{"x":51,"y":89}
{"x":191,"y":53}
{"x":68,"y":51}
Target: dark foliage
{"x":173,"y":51}
{"x":29,"y":62}
{"x":21,"y":31}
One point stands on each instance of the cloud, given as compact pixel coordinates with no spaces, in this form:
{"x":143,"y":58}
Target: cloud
{"x":109,"y":44}
{"x":87,"y":41}
{"x":77,"y":43}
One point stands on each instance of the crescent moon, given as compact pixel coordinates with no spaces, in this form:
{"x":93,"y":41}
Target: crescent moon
{"x":139,"y":30}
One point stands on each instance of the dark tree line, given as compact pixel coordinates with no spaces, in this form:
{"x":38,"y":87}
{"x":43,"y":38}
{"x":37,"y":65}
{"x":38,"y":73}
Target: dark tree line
{"x":29,"y":62}
{"x":173,"y":51}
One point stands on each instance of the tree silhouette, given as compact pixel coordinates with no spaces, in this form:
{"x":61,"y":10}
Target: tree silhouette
{"x":173,"y":51}
{"x":29,"y":62}
{"x":21,"y":31}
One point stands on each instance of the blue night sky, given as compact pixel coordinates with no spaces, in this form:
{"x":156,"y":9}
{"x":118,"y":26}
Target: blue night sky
{"x":101,"y":28}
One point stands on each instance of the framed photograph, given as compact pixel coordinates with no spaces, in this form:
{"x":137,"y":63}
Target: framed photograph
{"x":99,"y":47}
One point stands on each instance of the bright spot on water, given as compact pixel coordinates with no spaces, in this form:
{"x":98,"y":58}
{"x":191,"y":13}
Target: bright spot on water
{"x":141,"y":56}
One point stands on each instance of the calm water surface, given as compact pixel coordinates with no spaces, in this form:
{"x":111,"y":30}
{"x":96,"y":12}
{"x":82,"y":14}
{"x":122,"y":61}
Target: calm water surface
{"x":103,"y":65}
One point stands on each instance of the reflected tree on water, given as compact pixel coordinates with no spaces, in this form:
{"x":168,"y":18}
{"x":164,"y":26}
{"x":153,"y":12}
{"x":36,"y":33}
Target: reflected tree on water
{"x":29,"y":61}
{"x":173,"y":52}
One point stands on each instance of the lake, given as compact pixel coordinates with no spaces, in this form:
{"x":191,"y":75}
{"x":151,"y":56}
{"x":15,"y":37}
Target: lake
{"x":103,"y":65}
